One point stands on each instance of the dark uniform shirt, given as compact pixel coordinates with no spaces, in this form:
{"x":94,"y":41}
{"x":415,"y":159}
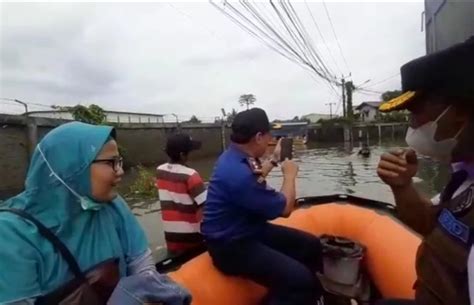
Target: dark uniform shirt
{"x":239,"y":201}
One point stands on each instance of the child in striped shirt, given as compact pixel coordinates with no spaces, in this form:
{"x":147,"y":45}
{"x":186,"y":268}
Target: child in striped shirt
{"x":182,"y":195}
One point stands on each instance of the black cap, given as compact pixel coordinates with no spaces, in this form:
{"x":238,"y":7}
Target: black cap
{"x":248,"y":123}
{"x":449,"y":72}
{"x":181,"y":143}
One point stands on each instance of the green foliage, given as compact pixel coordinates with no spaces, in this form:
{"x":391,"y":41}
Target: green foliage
{"x":92,"y":115}
{"x":394,"y":117}
{"x":144,"y":184}
{"x":388,"y":95}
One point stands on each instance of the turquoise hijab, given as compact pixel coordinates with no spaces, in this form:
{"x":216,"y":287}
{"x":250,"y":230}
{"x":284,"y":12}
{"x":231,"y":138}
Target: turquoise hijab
{"x":57,"y":179}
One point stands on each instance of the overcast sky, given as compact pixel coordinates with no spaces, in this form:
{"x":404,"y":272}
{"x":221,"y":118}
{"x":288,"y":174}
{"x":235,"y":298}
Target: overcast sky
{"x":188,"y":58}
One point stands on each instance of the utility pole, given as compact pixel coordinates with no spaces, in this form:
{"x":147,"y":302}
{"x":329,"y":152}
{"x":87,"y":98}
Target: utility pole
{"x":31,"y":127}
{"x":349,"y":88}
{"x":330,"y":109}
{"x":223,"y":120}
{"x":343,"y":82}
{"x":178,"y":127}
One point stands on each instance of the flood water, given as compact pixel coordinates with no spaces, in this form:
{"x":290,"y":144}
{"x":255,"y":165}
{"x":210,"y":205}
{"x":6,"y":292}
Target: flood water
{"x":324,"y":170}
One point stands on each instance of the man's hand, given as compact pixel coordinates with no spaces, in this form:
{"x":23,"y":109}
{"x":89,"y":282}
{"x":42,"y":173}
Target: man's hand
{"x":289,"y":169}
{"x":397,"y":167}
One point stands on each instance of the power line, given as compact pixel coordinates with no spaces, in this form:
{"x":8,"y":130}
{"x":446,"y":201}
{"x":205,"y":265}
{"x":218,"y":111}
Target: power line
{"x":382,"y":81}
{"x":247,"y":29}
{"x":10,"y":103}
{"x":322,"y":37}
{"x":335,"y":36}
{"x":188,"y":16}
{"x":311,"y":45}
{"x":339,"y":103}
{"x":284,"y":34}
{"x":297,"y":48}
{"x":370,"y":90}
{"x":17,"y":102}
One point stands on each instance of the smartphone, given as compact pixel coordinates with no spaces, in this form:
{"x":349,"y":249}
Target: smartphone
{"x":286,"y":149}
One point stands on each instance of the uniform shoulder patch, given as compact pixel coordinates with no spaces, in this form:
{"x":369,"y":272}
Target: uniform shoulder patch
{"x":463,"y":201}
{"x":256,"y":167}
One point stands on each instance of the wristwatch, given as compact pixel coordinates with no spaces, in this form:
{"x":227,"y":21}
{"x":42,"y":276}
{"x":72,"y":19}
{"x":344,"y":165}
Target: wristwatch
{"x":273,"y":162}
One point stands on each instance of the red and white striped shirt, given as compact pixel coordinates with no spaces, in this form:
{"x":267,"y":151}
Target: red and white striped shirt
{"x":182,"y":193}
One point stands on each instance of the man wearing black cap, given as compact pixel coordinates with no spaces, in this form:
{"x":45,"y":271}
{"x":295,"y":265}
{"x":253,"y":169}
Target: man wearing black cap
{"x":182,"y":195}
{"x":239,"y":204}
{"x":439,"y":93}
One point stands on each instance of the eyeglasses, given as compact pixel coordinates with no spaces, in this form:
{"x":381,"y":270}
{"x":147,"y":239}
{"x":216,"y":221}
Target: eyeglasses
{"x":116,"y":163}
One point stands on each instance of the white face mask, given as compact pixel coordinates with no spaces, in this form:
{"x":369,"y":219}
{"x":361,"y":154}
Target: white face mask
{"x":86,"y":202}
{"x":422,"y":140}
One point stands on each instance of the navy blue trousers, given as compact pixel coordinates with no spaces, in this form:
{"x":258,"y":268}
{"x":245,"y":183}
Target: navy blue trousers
{"x":282,"y":259}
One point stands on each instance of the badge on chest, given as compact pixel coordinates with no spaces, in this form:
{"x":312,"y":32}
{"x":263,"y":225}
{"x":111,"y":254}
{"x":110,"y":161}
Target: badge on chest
{"x":452,"y":217}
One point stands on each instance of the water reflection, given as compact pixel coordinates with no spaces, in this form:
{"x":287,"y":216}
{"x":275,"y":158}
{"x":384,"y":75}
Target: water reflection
{"x":324,"y":170}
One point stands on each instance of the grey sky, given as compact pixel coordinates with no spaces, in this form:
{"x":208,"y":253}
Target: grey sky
{"x":188,"y":58}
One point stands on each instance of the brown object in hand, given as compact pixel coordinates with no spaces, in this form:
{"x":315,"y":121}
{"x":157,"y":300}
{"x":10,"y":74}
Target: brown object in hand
{"x":286,"y":149}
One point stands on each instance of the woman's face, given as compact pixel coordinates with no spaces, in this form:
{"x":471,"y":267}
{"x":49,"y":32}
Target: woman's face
{"x":106,"y":173}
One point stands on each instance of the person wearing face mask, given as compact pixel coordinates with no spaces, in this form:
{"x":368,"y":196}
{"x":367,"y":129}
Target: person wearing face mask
{"x":439,"y":94}
{"x":239,"y":205}
{"x":69,"y":238}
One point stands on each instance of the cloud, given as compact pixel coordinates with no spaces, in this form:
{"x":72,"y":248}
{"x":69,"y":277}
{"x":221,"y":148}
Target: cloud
{"x":235,"y":57}
{"x":187,"y":58}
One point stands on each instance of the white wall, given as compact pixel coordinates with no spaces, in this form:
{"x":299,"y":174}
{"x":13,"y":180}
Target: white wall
{"x":53,"y":115}
{"x":110,"y":117}
{"x":368,"y":113}
{"x":132,"y":118}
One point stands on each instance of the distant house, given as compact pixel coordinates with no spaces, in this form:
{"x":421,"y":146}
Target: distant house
{"x":369,"y":111}
{"x":315,"y":117}
{"x":111,"y":116}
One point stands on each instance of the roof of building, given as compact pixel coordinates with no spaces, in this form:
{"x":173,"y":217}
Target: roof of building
{"x":317,"y":114}
{"x":370,"y":104}
{"x":288,"y":124}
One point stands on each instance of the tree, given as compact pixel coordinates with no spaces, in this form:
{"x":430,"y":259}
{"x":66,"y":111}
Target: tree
{"x":388,"y":95}
{"x":247,"y":100}
{"x":93,"y":114}
{"x":295,"y":119}
{"x":194,"y":120}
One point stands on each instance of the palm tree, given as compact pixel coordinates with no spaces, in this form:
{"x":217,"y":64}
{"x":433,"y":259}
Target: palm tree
{"x":247,"y":100}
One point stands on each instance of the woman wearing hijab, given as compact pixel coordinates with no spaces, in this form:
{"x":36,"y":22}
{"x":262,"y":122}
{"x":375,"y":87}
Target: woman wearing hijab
{"x":69,"y":238}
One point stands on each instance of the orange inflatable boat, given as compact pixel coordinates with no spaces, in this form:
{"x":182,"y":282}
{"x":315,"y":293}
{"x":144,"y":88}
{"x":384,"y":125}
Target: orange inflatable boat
{"x":390,"y":258}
